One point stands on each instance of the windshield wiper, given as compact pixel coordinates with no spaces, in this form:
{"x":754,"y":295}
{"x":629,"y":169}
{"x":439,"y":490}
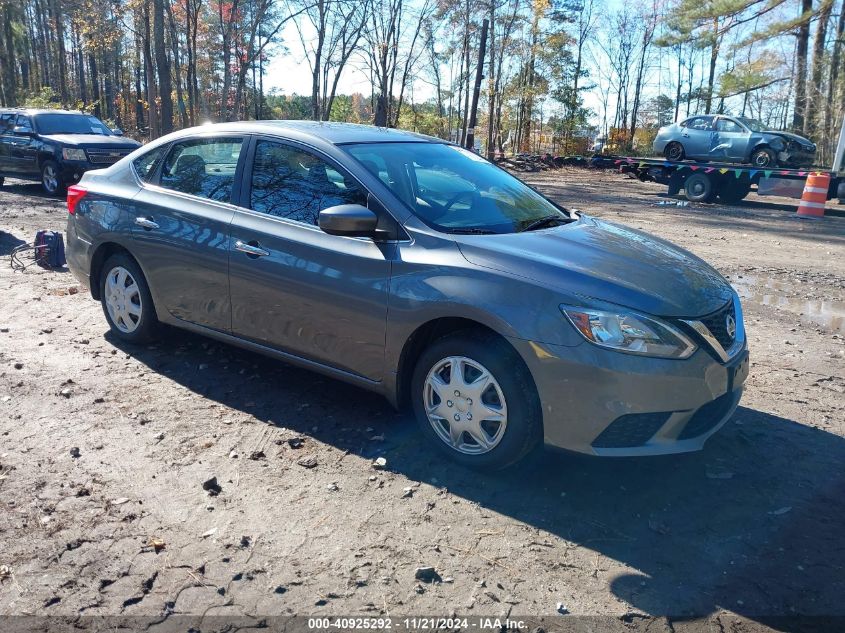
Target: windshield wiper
{"x":471,"y":231}
{"x":541,"y":222}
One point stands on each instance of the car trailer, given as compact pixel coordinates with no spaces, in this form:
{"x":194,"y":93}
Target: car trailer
{"x":730,"y":183}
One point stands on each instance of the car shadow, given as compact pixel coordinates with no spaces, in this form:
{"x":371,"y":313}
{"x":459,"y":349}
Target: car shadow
{"x":8,"y":243}
{"x":752,"y":524}
{"x":29,"y":188}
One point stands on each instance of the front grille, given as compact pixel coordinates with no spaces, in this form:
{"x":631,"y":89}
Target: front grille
{"x":717,"y":324}
{"x":707,"y":417}
{"x":633,"y":429}
{"x":106,"y":156}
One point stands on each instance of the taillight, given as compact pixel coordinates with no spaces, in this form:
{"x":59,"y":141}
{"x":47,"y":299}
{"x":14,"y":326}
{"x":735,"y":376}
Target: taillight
{"x":74,"y":195}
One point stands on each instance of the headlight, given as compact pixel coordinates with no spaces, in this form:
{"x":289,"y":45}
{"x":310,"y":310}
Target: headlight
{"x":74,"y":154}
{"x":629,"y":332}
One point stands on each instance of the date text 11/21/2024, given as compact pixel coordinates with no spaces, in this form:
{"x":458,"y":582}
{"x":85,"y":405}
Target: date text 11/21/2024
{"x":421,"y":623}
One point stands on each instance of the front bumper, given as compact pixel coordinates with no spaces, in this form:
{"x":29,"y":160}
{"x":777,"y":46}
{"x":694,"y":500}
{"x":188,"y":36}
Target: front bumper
{"x":604,"y":402}
{"x":796,"y":158}
{"x":71,"y":170}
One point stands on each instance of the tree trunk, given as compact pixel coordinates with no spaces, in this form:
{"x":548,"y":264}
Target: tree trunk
{"x":9,"y":74}
{"x":95,"y":85}
{"x":60,"y":41}
{"x":177,"y":66}
{"x":831,"y":111}
{"x":165,"y":88}
{"x":798,"y":115}
{"x":491,"y":84}
{"x":816,"y":77}
{"x":714,"y":56}
{"x":149,"y":77}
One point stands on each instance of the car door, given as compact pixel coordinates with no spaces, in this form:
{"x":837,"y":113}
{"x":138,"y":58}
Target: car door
{"x":731,"y":140}
{"x":6,"y":124}
{"x":181,"y":228}
{"x":23,"y":154}
{"x":295,"y":288}
{"x":696,"y":137}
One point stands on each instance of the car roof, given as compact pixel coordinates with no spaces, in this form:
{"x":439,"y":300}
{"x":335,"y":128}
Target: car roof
{"x":327,"y":131}
{"x":32,"y":111}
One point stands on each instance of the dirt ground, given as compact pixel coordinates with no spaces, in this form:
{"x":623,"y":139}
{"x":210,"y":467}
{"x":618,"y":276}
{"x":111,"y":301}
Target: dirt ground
{"x":104,"y":449}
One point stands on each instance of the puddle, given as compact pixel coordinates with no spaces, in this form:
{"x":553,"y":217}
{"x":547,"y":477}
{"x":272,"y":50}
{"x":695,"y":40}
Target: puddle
{"x":824,"y":313}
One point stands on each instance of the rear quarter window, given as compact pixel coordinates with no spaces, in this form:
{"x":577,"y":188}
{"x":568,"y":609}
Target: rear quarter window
{"x":146,"y":163}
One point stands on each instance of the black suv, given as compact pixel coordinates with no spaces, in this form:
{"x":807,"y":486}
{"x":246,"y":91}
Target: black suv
{"x":56,"y":146}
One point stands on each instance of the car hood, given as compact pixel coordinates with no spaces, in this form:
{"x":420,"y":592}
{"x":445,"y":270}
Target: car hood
{"x":92,"y":140}
{"x":789,"y":136}
{"x":594,"y":259}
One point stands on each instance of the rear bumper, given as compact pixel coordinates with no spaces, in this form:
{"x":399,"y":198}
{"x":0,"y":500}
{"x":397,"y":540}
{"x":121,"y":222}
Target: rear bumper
{"x":607,"y":403}
{"x":78,"y":254}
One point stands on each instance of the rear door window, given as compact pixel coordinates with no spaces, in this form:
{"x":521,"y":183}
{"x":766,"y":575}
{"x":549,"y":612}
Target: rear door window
{"x":24,"y":122}
{"x":726,"y":125}
{"x":202,"y":167}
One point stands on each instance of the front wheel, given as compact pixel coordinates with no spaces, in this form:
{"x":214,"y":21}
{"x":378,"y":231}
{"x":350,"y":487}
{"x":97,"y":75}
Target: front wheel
{"x":764,"y":157}
{"x":51,"y":178}
{"x":475,"y":399}
{"x":126,"y":299}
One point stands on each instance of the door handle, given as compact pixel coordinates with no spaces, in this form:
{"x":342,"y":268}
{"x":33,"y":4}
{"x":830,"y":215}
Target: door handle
{"x":685,"y":135}
{"x":146,"y":223}
{"x":253,"y":249}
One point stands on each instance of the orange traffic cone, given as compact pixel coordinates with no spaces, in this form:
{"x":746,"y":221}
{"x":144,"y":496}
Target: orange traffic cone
{"x":814,"y":196}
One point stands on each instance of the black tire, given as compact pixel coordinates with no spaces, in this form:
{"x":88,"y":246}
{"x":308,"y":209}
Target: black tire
{"x":674,"y":152}
{"x":143,"y":329}
{"x":51,"y":178}
{"x":2,"y":180}
{"x":764,"y":158}
{"x":524,"y":428}
{"x":699,"y":188}
{"x":733,"y":192}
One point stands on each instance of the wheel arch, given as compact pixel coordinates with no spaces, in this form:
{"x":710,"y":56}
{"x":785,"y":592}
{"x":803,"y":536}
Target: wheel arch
{"x":101,"y":254}
{"x":761,"y":144}
{"x":424,"y":335}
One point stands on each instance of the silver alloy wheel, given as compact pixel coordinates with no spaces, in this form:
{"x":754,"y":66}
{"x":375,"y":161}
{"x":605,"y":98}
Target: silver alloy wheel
{"x":50,"y":178}
{"x":465,"y":405}
{"x":763,"y":159}
{"x":123,"y":299}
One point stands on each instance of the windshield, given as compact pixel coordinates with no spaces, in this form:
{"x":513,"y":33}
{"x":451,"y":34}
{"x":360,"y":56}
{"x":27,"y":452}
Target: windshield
{"x":454,"y":190}
{"x":752,"y":124}
{"x":71,"y":124}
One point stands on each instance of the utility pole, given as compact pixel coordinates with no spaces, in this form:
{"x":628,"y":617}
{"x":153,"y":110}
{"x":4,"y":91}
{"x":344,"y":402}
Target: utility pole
{"x":479,"y":75}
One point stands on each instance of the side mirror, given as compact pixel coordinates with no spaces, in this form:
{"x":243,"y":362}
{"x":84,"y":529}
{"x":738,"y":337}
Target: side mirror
{"x":117,"y":131}
{"x":350,"y":220}
{"x":20,"y":130}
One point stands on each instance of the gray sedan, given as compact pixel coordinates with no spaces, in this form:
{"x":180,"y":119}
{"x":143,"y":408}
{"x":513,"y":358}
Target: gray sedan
{"x":732,"y":140}
{"x":414,"y":268}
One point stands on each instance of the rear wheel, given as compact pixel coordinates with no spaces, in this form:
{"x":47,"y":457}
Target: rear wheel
{"x":674,"y":151}
{"x":51,"y":179}
{"x":126,"y":300}
{"x":475,"y":399}
{"x":699,"y":188}
{"x":764,"y":157}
